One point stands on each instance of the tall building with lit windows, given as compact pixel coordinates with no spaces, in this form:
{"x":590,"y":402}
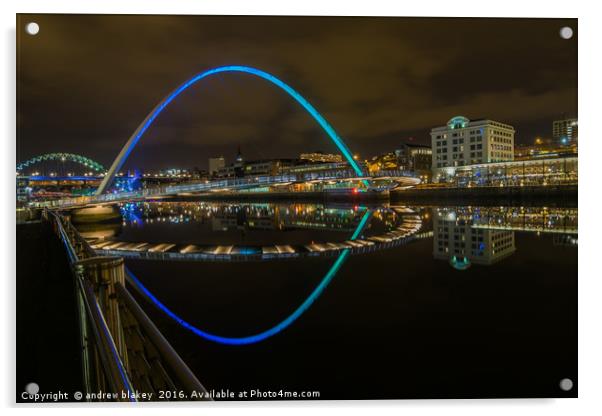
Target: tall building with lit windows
{"x":215,"y":164}
{"x":564,"y":132}
{"x":467,"y":142}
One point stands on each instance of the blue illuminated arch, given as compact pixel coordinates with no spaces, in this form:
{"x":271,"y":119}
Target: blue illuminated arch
{"x":276,"y":328}
{"x":131,"y":143}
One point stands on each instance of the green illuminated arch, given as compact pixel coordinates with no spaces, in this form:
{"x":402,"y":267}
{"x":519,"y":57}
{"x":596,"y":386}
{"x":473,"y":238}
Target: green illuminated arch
{"x":64,"y":157}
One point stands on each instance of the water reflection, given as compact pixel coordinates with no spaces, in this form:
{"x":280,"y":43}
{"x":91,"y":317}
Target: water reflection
{"x":228,"y":216}
{"x":462,"y":235}
{"x":402,"y":305}
{"x":455,"y":239}
{"x":251,"y":339}
{"x":485,"y":235}
{"x":199,"y":231}
{"x":99,"y":231}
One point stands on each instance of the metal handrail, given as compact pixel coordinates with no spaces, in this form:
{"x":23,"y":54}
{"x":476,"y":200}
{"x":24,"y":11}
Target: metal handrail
{"x":113,"y":366}
{"x":181,"y":370}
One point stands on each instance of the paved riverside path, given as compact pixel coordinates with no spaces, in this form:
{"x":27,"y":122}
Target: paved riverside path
{"x":47,"y":329}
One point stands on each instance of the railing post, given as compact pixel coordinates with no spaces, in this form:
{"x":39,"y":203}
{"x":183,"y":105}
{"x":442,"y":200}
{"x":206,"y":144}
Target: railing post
{"x":104,"y":273}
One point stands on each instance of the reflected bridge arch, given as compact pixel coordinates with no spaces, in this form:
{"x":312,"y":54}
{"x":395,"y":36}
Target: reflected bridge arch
{"x":280,"y":326}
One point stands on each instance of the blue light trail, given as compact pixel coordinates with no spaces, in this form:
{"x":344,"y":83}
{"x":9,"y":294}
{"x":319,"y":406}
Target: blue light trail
{"x":275,"y":329}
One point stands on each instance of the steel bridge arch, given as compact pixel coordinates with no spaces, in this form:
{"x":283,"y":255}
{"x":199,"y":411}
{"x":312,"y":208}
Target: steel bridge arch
{"x":70,"y":157}
{"x":150,"y":118}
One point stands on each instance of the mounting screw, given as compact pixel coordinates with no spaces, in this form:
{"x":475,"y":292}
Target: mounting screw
{"x":32,"y":388}
{"x":566,"y":384}
{"x":566,"y":32}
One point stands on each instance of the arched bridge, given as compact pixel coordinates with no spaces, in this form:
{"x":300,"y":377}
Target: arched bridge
{"x":63,"y":157}
{"x":150,"y":118}
{"x":400,"y":178}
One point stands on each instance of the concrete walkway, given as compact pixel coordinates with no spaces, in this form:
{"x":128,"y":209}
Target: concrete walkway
{"x":48,"y":345}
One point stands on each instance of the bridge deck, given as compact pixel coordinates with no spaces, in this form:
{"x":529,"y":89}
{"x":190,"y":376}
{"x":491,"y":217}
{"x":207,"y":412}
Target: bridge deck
{"x":400,"y":178}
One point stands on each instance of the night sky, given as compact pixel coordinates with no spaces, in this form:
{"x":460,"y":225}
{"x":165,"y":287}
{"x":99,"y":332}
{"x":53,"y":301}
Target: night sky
{"x":85,"y":82}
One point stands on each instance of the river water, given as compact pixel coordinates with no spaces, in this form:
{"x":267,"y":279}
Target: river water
{"x":440,"y":301}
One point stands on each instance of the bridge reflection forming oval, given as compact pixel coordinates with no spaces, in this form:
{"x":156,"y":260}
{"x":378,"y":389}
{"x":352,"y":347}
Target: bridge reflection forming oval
{"x":271,"y":331}
{"x":341,"y":256}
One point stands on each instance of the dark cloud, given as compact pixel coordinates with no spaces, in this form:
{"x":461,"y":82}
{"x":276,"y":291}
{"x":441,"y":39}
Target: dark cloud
{"x":86,"y":81}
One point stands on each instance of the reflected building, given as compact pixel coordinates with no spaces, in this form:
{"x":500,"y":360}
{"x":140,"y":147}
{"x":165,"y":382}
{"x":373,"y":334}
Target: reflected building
{"x":456,"y":240}
{"x":241,"y":219}
{"x":286,"y":217}
{"x":566,"y":240}
{"x":225,"y":216}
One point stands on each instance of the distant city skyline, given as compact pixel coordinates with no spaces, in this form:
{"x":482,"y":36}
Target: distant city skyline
{"x":378,"y":81}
